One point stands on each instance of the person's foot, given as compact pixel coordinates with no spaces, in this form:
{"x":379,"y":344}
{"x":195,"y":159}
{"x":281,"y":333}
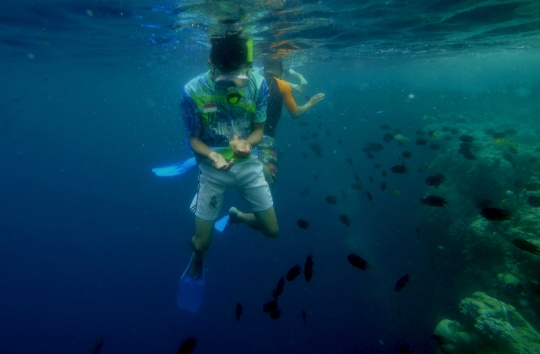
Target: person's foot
{"x":233,"y":216}
{"x":195,"y":268}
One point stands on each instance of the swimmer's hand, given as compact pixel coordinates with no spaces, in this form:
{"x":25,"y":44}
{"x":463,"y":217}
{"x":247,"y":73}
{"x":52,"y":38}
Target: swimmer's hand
{"x":313,"y":101}
{"x":219,"y":162}
{"x":240,"y":148}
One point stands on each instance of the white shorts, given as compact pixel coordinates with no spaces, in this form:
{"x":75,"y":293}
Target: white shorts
{"x":247,"y":177}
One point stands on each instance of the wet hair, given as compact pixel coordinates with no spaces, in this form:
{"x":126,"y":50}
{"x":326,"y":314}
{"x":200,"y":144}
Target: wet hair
{"x":228,"y":53}
{"x":273,"y":66}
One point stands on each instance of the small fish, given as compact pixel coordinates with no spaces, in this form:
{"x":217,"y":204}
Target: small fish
{"x":495,"y":214}
{"x":279,"y":288}
{"x":339,"y":142}
{"x":304,"y":315}
{"x":371,"y":178}
{"x":436,"y":180}
{"x":275,"y":314}
{"x":377,"y":166}
{"x":304,"y":192}
{"x":302,"y":124}
{"x":327,"y":132}
{"x":383,"y":186}
{"x":399,"y":169}
{"x":316,"y":178}
{"x":383,"y":173}
{"x":370,"y":155}
{"x":358,"y":262}
{"x":356,"y":178}
{"x":526,"y":246}
{"x":374,"y":146}
{"x":270,"y":306}
{"x":319,"y":125}
{"x":368,"y":195}
{"x":316,"y":148}
{"x":357,"y":186}
{"x":469,"y":156}
{"x":418,"y":230}
{"x":421,"y":142}
{"x":238,"y":311}
{"x":400,"y":284}
{"x":467,"y":138}
{"x":304,"y":155}
{"x":489,"y":132}
{"x":303,"y":224}
{"x":293,"y":273}
{"x":308,"y":267}
{"x":388,"y":138}
{"x":349,"y":161}
{"x":345,"y":220}
{"x":406,"y":154}
{"x":187,"y":346}
{"x":331,"y":200}
{"x":98,"y":344}
{"x":343,"y":195}
{"x":434,"y":201}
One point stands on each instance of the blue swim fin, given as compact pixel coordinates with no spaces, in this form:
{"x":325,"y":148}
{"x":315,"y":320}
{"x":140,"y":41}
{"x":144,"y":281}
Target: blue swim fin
{"x":177,"y":169}
{"x":222,"y":223}
{"x":190,"y":291}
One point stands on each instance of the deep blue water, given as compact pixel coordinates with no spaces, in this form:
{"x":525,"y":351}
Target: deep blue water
{"x":93,"y":244}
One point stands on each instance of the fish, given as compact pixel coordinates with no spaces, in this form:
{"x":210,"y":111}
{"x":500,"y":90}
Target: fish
{"x":98,"y":344}
{"x":270,"y":306}
{"x":383,"y":173}
{"x":374,"y":146}
{"x":293,"y":273}
{"x":395,"y":193}
{"x":436,"y":180}
{"x":383,"y":186}
{"x":434,"y":201}
{"x":357,"y":261}
{"x":534,"y":201}
{"x":343,"y":194}
{"x":388,"y":137}
{"x":499,"y":135}
{"x":489,"y":131}
{"x":327,"y":132}
{"x":401,"y":137}
{"x":308,"y":267}
{"x":418,"y":230}
{"x":406,"y":154}
{"x":377,"y":166}
{"x":319,"y":125}
{"x":504,"y":142}
{"x":349,"y":161}
{"x":302,"y":124}
{"x":316,"y":148}
{"x":275,"y":314}
{"x":385,"y":127}
{"x":399,"y":169}
{"x":421,"y":142}
{"x":400,"y":284}
{"x":368,"y":195}
{"x":187,"y":346}
{"x":279,"y":288}
{"x":316,"y":178}
{"x":356,"y":178}
{"x":238,"y":311}
{"x":339,"y":141}
{"x":304,"y":192}
{"x":454,"y":131}
{"x":526,"y":246}
{"x":469,"y":156}
{"x":365,"y":149}
{"x":434,"y":146}
{"x":304,"y":155}
{"x":511,"y":131}
{"x":331,"y":200}
{"x":357,"y":186}
{"x":304,"y":315}
{"x":467,"y":138}
{"x":345,"y":220}
{"x":495,"y":214}
{"x":370,"y":155}
{"x":371,"y":178}
{"x":303,"y":224}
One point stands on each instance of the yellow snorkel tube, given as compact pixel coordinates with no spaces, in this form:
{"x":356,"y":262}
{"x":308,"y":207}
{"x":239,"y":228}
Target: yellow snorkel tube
{"x":249,"y":63}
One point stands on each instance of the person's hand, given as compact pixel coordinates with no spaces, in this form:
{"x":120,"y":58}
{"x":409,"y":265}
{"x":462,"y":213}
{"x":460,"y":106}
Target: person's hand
{"x":316,"y":99}
{"x":219,"y":163}
{"x":240,"y":148}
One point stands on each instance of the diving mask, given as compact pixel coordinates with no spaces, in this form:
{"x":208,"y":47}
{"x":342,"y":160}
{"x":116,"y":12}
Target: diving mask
{"x":224,"y":82}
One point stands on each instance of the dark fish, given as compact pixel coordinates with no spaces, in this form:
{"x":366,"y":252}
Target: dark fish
{"x":98,"y":344}
{"x":434,"y":146}
{"x":371,"y":179}
{"x":400,"y":284}
{"x":534,"y":201}
{"x":279,"y":288}
{"x":303,"y":224}
{"x":349,"y":161}
{"x":327,"y":132}
{"x":305,"y":192}
{"x":431,"y":132}
{"x":418,"y":230}
{"x":302,"y":124}
{"x":406,"y":154}
{"x":383,"y":186}
{"x":495,"y":214}
{"x":304,"y":155}
{"x":469,"y":156}
{"x":385,"y":127}
{"x":358,"y":261}
{"x":511,"y":131}
{"x":436,"y":180}
{"x":304,"y":137}
{"x":374,"y":146}
{"x":383,"y":173}
{"x":466,"y":138}
{"x":270,"y":306}
{"x":454,"y":131}
{"x":308,"y":267}
{"x":331,"y":199}
{"x":400,"y":169}
{"x":293,"y":273}
{"x":238,"y":311}
{"x":377,"y":165}
{"x":370,"y":155}
{"x":421,"y":142}
{"x":499,"y":135}
{"x":388,"y":137}
{"x":513,"y":150}
{"x":319,"y":125}
{"x":343,"y":194}
{"x":339,"y":141}
{"x":316,"y":148}
{"x":187,"y":346}
{"x":345,"y":220}
{"x":526,"y":246}
{"x":358,"y":186}
{"x":368,"y":195}
{"x":532,"y":187}
{"x":304,"y":315}
{"x":275,"y":314}
{"x":489,"y":132}
{"x":356,"y":178}
{"x":434,"y":201}
{"x":465,"y":147}
{"x":316,"y":178}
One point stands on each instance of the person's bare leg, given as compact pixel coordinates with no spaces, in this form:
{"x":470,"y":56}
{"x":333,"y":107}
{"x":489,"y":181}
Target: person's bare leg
{"x":263,"y":221}
{"x":200,"y":243}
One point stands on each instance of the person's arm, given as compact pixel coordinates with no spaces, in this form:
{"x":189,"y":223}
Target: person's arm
{"x":301,"y":78}
{"x":313,"y":101}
